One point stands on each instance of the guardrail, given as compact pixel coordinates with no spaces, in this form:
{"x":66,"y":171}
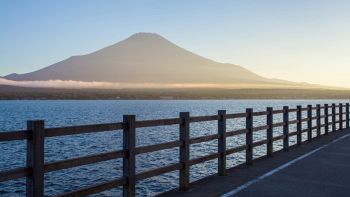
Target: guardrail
{"x":36,"y":133}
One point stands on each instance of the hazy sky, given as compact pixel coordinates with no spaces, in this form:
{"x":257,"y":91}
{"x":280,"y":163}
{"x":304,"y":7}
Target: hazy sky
{"x":299,"y":40}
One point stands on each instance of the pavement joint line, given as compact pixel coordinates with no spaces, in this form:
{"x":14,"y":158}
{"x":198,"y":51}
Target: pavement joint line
{"x":270,"y":173}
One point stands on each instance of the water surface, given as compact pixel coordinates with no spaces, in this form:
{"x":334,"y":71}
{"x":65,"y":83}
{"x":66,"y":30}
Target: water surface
{"x":14,"y":114}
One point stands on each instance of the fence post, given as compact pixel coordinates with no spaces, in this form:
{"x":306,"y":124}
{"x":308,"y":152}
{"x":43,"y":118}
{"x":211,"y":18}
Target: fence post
{"x":309,"y":122}
{"x":340,"y":116}
{"x":129,"y":141}
{"x":185,"y":150}
{"x":249,"y":136}
{"x":35,"y":158}
{"x":326,"y":119}
{"x":286,"y":128}
{"x":333,"y":118}
{"x":299,"y":124}
{"x":222,"y":142}
{"x":318,"y":112}
{"x":269,"y":131}
{"x":347,"y":118}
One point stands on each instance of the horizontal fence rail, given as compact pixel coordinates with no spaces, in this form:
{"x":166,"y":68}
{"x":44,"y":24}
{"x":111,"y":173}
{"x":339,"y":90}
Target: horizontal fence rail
{"x":36,"y":133}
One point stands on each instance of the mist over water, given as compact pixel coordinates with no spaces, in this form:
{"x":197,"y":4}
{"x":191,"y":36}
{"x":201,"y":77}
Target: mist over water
{"x":14,"y":114}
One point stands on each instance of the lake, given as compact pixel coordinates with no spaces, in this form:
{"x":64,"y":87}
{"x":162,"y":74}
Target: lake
{"x":14,"y":114}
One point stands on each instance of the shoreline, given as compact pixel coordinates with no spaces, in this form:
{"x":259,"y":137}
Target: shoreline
{"x":19,"y":93}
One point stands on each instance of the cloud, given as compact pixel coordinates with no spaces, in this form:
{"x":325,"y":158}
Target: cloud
{"x":109,"y":85}
{"x":94,"y":84}
{"x":59,"y":84}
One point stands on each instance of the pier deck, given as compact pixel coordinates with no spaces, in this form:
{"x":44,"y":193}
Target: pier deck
{"x":317,"y":168}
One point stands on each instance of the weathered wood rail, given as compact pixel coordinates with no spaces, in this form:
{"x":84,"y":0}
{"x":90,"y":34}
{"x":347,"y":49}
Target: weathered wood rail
{"x":36,"y":133}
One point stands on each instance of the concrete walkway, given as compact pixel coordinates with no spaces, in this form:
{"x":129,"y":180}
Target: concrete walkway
{"x":320,"y":168}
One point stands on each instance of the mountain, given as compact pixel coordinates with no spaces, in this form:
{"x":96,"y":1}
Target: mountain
{"x":148,"y":58}
{"x":143,"y":58}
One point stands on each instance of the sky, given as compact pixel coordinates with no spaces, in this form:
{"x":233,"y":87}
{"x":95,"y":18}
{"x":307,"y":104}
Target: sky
{"x":297,"y":40}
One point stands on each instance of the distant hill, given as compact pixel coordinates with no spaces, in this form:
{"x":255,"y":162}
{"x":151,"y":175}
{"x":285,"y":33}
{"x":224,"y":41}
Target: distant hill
{"x":148,"y":58}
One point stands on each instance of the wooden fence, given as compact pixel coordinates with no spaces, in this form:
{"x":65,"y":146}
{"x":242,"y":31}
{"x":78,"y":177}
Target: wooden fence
{"x":36,"y":133}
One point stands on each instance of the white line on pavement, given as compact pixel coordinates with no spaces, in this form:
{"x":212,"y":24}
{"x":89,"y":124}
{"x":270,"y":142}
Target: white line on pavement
{"x":246,"y":185}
